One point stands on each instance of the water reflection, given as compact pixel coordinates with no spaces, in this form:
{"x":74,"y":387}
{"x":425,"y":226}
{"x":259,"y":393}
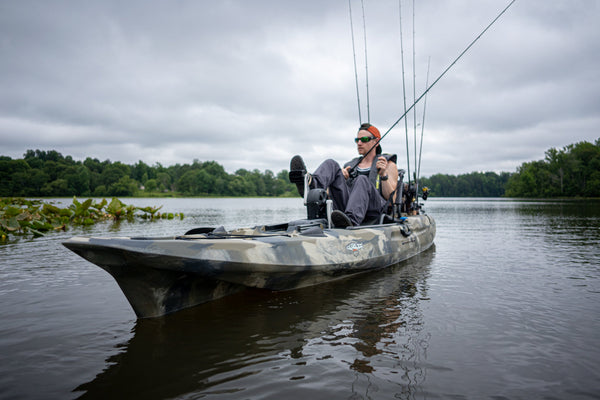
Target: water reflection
{"x":259,"y":343}
{"x":392,"y":336}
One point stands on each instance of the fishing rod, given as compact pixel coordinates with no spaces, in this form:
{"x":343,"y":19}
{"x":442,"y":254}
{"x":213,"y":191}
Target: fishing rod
{"x":418,"y":171}
{"x":353,"y":168}
{"x":414,"y":56}
{"x":354,"y":56}
{"x":366,"y":60}
{"x":362,"y":3}
{"x":404,"y":86}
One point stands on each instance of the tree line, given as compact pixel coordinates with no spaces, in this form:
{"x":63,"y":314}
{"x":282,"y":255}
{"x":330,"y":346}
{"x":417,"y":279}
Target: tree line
{"x":50,"y":174}
{"x":474,"y":184}
{"x":571,"y":171}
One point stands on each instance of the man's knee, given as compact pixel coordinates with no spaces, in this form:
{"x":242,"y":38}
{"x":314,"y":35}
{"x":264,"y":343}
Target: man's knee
{"x":362,"y":181}
{"x":362,"y":184}
{"x":330,"y":163}
{"x":328,"y":168}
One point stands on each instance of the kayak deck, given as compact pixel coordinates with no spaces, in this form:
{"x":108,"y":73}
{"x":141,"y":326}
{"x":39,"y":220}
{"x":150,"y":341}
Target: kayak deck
{"x":163,"y":275}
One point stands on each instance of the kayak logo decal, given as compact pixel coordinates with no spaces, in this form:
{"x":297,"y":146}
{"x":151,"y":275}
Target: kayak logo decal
{"x":354,"y":247}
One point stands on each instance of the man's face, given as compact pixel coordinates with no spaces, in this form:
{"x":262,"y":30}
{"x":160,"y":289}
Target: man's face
{"x":362,"y":145}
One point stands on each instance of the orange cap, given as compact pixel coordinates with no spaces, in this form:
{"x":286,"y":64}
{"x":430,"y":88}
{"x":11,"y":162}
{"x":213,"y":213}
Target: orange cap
{"x":370,"y":128}
{"x":373,"y":131}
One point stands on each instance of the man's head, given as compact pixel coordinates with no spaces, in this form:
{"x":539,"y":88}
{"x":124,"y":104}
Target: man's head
{"x":366,"y":137}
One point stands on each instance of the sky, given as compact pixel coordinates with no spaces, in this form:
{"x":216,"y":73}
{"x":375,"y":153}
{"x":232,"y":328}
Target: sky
{"x":249,"y":84}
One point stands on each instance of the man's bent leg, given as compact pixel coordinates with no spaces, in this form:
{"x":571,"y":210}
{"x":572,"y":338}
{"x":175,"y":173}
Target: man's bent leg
{"x":364,"y":201}
{"x":329,"y":176}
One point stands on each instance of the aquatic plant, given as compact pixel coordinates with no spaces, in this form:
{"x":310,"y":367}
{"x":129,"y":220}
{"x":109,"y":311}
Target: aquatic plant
{"x":23,"y":217}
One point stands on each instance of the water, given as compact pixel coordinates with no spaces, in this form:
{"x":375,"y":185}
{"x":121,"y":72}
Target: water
{"x":505,"y":305}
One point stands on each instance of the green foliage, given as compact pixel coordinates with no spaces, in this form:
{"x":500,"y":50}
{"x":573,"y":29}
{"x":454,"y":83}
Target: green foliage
{"x":572,"y":171}
{"x":50,"y":174}
{"x":474,"y":184}
{"x":117,"y":209}
{"x":23,"y":217}
{"x":151,"y":211}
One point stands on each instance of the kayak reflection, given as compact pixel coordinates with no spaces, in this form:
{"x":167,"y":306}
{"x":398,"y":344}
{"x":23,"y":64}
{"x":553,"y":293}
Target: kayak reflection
{"x":258,"y":342}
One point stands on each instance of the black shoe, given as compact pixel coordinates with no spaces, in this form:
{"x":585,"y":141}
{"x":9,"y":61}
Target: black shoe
{"x":297,"y":173}
{"x":340,"y":220}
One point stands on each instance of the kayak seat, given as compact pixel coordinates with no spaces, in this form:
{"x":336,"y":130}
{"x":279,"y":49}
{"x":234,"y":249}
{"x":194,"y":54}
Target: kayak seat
{"x":380,"y":220}
{"x":392,"y":208}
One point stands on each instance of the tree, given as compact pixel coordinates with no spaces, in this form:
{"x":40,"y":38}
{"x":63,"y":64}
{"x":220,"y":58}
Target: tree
{"x":151,"y":185}
{"x":164,"y":181}
{"x":58,"y":187}
{"x":141,"y":172}
{"x":78,"y":180}
{"x":125,"y":186}
{"x":13,"y":175}
{"x":36,"y":179}
{"x":191,"y":183}
{"x":113,"y":173}
{"x":572,"y":171}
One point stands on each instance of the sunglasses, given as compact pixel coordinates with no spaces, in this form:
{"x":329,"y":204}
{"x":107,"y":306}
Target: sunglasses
{"x":364,"y":139}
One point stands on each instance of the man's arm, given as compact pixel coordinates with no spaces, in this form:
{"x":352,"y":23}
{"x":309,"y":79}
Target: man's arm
{"x":389,"y":169}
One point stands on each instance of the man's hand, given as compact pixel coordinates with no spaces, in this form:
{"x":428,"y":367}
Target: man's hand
{"x":346,"y":172}
{"x":382,"y":166}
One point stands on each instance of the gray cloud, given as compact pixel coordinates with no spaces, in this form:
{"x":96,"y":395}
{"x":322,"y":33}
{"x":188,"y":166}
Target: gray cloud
{"x":249,"y":84}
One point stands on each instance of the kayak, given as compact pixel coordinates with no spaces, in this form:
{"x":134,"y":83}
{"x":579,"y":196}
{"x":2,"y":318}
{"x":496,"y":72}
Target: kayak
{"x":161,"y":275}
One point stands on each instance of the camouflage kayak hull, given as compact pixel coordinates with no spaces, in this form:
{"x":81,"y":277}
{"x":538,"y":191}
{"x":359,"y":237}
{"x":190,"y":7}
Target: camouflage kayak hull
{"x":163,"y":275}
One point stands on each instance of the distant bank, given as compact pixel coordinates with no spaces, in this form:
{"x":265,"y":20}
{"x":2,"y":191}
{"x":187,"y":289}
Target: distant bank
{"x":573,"y":171}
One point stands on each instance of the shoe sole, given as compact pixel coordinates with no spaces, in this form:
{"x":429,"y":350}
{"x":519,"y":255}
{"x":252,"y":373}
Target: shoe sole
{"x":340,"y":220}
{"x":297,"y":170}
{"x":297,"y":173}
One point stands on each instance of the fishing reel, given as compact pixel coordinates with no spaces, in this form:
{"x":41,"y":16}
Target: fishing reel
{"x":410,"y":198}
{"x":317,"y":203}
{"x":410,"y":204}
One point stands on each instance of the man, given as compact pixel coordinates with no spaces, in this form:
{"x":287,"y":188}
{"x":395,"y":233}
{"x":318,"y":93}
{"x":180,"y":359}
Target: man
{"x":359,"y":197}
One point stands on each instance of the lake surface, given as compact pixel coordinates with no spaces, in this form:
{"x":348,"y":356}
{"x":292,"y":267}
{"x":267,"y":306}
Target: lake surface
{"x":505,"y":305}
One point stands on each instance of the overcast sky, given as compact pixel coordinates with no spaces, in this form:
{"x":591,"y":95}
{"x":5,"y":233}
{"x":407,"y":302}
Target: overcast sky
{"x":251,"y":83}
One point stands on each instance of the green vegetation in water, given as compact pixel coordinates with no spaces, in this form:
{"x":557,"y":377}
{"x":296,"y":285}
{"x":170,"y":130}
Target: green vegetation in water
{"x":24,"y":217}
